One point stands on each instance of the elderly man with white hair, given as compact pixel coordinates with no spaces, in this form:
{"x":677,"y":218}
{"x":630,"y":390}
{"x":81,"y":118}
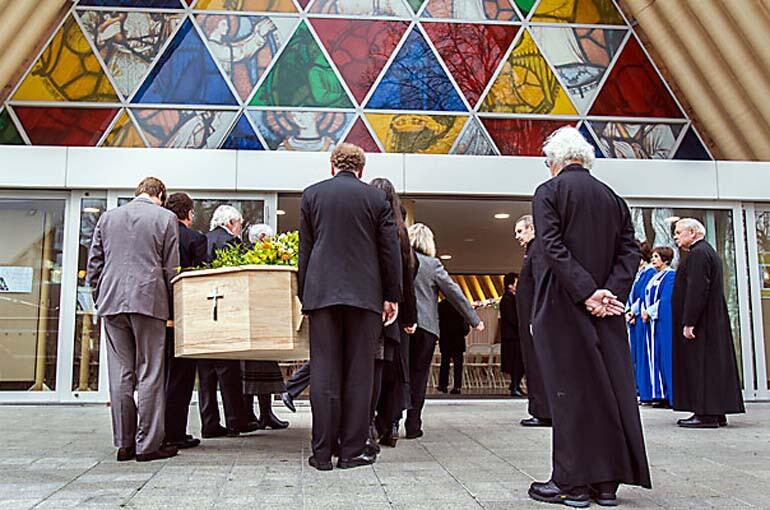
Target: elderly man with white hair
{"x":704,"y":365}
{"x":588,"y":261}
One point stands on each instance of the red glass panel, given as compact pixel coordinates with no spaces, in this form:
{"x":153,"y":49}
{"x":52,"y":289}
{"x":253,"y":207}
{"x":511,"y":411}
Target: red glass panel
{"x":522,"y":137}
{"x":359,"y":48}
{"x":472,"y":52}
{"x":65,"y":126}
{"x":633,"y":88}
{"x":361,"y":136}
{"x":303,"y":3}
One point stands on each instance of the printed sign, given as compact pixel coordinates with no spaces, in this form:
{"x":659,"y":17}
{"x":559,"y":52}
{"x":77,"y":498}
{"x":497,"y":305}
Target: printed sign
{"x":15,"y":279}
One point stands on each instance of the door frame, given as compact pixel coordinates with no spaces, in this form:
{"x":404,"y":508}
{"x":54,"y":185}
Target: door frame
{"x":762,"y":390}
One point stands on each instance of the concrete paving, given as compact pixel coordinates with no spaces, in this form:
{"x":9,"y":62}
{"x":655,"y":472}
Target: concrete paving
{"x":473,"y":456}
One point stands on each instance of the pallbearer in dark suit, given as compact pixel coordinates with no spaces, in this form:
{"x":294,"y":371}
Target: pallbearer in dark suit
{"x":180,"y":372}
{"x":525,"y":292}
{"x":704,"y":366}
{"x":453,"y":328}
{"x":590,"y":258}
{"x":349,"y":282}
{"x":510,"y":345}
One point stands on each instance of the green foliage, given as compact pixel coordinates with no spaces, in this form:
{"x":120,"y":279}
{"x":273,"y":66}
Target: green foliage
{"x":280,"y":250}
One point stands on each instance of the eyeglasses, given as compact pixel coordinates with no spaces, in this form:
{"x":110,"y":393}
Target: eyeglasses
{"x":547,"y":163}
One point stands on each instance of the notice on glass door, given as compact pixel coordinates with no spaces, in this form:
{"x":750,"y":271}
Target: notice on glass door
{"x":15,"y":280}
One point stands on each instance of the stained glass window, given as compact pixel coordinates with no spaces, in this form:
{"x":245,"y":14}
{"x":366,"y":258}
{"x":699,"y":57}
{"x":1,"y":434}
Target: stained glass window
{"x":243,"y":137}
{"x":64,"y":125}
{"x":124,"y":134}
{"x":9,"y":135}
{"x":246,"y":5}
{"x":691,"y":147}
{"x":184,"y":129}
{"x":625,"y":140}
{"x":471,"y":10}
{"x":417,"y":133}
{"x":598,"y":12}
{"x":473,"y":141}
{"x":300,"y":130}
{"x":521,"y":137}
{"x":360,"y":135}
{"x":361,"y":8}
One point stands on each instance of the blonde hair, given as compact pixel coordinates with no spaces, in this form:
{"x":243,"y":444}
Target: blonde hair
{"x":347,"y":157}
{"x":422,"y":239}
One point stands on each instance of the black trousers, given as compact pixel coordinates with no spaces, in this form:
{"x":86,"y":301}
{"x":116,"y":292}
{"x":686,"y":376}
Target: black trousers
{"x":227,"y":375}
{"x":443,"y":376}
{"x":180,"y":382}
{"x":421,"y":350}
{"x":376,"y":387}
{"x":298,"y":381}
{"x":342,"y":348}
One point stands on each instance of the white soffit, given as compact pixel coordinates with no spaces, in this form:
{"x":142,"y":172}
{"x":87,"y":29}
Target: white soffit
{"x":34,"y":167}
{"x":744,"y":180}
{"x":640,"y":178}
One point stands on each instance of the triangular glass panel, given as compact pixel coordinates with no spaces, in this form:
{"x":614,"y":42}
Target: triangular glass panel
{"x":184,"y":129}
{"x":9,"y":135}
{"x":303,"y":3}
{"x":692,"y":148}
{"x":153,"y":4}
{"x":246,"y":5}
{"x":634,"y":88}
{"x":521,"y":137}
{"x":243,"y":137}
{"x":64,"y":125}
{"x":359,"y":48}
{"x":416,"y":81}
{"x":245,"y":45}
{"x":67,"y":70}
{"x":586,"y":132}
{"x":525,"y":6}
{"x":124,"y":134}
{"x":302,"y":77}
{"x":361,"y":8}
{"x":471,"y":10}
{"x":359,"y":135}
{"x":296,"y":130}
{"x":586,"y":12}
{"x":580,"y":57}
{"x":526,"y":84}
{"x":473,"y":141}
{"x":185,"y":74}
{"x":624,"y":140}
{"x":416,"y":4}
{"x":129,"y":41}
{"x":471,"y":52}
{"x":416,"y":133}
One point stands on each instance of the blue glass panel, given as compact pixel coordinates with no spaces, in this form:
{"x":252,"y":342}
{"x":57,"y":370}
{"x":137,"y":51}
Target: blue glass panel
{"x":161,"y":4}
{"x":588,"y":136}
{"x":416,"y":81}
{"x":692,"y":148}
{"x":185,"y":74}
{"x":243,"y":137}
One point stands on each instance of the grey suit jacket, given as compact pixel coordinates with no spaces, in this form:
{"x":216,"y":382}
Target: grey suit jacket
{"x":432,"y":278}
{"x":134,"y":255}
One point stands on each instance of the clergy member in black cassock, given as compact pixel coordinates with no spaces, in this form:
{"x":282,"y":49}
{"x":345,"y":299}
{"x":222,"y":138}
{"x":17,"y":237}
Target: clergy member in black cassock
{"x":589,"y":259}
{"x":349,"y":281}
{"x":704,"y":365}
{"x":540,"y":414}
{"x":180,"y":372}
{"x":511,"y":361}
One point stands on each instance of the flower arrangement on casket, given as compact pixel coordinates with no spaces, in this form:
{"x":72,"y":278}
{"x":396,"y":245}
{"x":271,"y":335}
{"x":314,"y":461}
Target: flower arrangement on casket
{"x":244,"y":305}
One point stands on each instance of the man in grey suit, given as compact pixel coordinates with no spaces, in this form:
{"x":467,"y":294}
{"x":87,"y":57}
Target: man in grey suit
{"x":134,"y":255}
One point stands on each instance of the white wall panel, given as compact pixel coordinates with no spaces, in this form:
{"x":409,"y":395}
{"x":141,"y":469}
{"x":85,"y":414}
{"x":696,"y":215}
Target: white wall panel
{"x":744,"y":180}
{"x":659,"y":179}
{"x":32,"y":167}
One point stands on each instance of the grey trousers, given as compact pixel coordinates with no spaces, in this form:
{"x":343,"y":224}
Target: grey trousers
{"x":136,"y":361}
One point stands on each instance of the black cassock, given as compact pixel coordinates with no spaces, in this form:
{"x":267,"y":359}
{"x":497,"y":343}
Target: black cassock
{"x":705,"y":370}
{"x":587,"y":242}
{"x":538,"y":399}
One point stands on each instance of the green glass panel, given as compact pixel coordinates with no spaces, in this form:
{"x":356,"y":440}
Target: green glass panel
{"x":302,"y":77}
{"x":415,"y":4}
{"x":8,"y":133}
{"x":525,"y":5}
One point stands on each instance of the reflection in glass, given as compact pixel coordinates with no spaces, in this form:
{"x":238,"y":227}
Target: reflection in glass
{"x":30,"y":287}
{"x":763,"y":251}
{"x":85,"y":363}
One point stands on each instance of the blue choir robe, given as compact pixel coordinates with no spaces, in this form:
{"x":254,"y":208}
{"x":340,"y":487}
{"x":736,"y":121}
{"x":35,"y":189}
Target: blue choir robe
{"x":636,"y":330}
{"x":658,"y":338}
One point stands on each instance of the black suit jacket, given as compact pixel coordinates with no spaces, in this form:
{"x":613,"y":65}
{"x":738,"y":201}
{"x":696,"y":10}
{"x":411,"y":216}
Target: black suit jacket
{"x":217,"y":239}
{"x":453,"y":328}
{"x":348,"y":249}
{"x":192,"y":248}
{"x":509,"y":318}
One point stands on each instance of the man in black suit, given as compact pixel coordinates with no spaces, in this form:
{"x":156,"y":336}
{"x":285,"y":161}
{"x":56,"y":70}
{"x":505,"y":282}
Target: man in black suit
{"x":226,"y":224}
{"x":510,"y":344}
{"x":180,"y":372}
{"x":349,"y":282}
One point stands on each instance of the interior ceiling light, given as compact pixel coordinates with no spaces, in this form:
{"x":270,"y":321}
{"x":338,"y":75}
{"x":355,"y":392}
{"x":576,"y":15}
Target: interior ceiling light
{"x":445,"y":257}
{"x":502,"y":216}
{"x":469,"y":240}
{"x":280,"y":212}
{"x":92,"y":210}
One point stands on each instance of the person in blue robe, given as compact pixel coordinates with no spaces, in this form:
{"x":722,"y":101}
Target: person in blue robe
{"x":633,"y":317}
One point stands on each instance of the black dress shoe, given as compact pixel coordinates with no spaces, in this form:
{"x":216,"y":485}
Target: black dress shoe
{"x":455,"y":391}
{"x":271,"y":421}
{"x":320,"y":466}
{"x":602,"y":496}
{"x":251,"y":426}
{"x":362,"y":460}
{"x":211,"y":434}
{"x":125,"y":454}
{"x":414,"y":434}
{"x":536,"y":422}
{"x":288,"y":401}
{"x":549,"y":492}
{"x":165,"y":452}
{"x":518,"y":393}
{"x":390,"y":438}
{"x":233,"y":433}
{"x":187,"y":442}
{"x":700,"y":422}
{"x":442,"y":389}
{"x":722,"y":420}
{"x":371,"y":448}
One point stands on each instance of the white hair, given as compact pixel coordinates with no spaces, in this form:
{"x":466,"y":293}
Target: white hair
{"x":422,"y":239}
{"x":223,"y":215}
{"x":255,"y":231}
{"x":567,"y":144}
{"x":527,"y":220}
{"x":692,"y":224}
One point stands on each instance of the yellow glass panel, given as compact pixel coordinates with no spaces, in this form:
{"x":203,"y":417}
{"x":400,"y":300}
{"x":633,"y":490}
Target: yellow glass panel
{"x":416,"y":133}
{"x":124,"y":134}
{"x":598,"y":12}
{"x":246,"y":5}
{"x":526,"y":84}
{"x":67,"y":70}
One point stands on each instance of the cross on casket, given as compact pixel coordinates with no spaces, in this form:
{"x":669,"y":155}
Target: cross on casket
{"x":214,"y":297}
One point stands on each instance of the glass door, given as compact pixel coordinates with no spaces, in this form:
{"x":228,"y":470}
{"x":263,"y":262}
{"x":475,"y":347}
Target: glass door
{"x":758,"y":233}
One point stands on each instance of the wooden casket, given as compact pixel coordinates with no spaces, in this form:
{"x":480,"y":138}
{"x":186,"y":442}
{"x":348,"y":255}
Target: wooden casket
{"x":247,"y":312}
